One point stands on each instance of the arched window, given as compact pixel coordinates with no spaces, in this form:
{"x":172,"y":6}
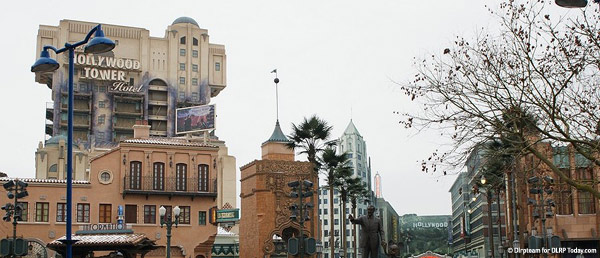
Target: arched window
{"x":203,"y":178}
{"x":53,"y":172}
{"x":182,"y":40}
{"x":195,"y":41}
{"x":135,"y":175}
{"x":180,"y":177}
{"x":158,"y":176}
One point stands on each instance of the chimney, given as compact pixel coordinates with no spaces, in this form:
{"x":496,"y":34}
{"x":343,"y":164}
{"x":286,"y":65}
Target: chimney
{"x":141,"y":131}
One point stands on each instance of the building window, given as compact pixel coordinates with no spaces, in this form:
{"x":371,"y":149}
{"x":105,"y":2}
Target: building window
{"x":324,"y":201}
{"x":336,"y":222}
{"x":335,"y":210}
{"x":326,"y":232}
{"x":24,"y":209}
{"x":83,"y":87}
{"x":131,"y":214}
{"x":41,"y":211}
{"x":203,"y":178}
{"x":181,"y":66}
{"x":335,"y":200}
{"x":181,"y":80}
{"x":135,"y":175}
{"x":83,"y":212}
{"x":217,"y":66}
{"x":194,"y":96}
{"x":101,"y":119}
{"x":182,"y":52}
{"x":96,"y":88}
{"x":587,"y":202}
{"x":104,"y":215}
{"x":563,"y":196}
{"x":202,"y":218}
{"x":158,"y":176}
{"x":194,"y":67}
{"x":149,"y":214}
{"x":102,"y":88}
{"x":324,"y":211}
{"x":181,"y":95}
{"x":100,"y":136}
{"x":195,"y":81}
{"x":180,"y":177}
{"x":184,"y":215}
{"x":101,"y":104}
{"x":105,"y":177}
{"x":182,"y":40}
{"x":194,"y":41}
{"x":326,"y":246}
{"x":194,"y":53}
{"x":325,"y":222}
{"x":61,"y":212}
{"x":336,"y":232}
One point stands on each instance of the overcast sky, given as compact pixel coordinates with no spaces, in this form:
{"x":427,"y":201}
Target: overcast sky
{"x":336,"y":59}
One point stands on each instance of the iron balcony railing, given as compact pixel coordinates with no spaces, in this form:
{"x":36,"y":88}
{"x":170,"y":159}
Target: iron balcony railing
{"x":170,"y":185}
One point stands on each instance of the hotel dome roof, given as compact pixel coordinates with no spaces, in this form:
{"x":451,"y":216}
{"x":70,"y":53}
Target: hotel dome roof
{"x":185,"y":19}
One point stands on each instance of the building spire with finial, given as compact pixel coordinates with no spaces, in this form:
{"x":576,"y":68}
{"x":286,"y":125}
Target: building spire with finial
{"x":276,"y":80}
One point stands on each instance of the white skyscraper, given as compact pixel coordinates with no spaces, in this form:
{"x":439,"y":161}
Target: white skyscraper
{"x":353,"y":144}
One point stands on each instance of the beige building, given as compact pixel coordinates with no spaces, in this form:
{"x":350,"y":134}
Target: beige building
{"x":142,"y":78}
{"x":140,"y":175}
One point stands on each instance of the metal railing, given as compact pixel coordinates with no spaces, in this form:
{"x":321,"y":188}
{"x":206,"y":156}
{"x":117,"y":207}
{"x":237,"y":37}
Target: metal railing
{"x":170,"y":184}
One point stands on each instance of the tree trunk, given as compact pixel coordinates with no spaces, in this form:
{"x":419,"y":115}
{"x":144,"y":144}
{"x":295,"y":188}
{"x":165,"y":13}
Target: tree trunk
{"x":354,"y":229}
{"x":490,"y":226}
{"x":331,"y":228}
{"x":343,"y":221}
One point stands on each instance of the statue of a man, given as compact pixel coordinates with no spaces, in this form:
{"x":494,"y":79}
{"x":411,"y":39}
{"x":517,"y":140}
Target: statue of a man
{"x":371,"y":233}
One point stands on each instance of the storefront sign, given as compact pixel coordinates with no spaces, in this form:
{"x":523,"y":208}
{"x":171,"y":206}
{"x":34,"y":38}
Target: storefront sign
{"x":228,"y":215}
{"x":125,"y":87}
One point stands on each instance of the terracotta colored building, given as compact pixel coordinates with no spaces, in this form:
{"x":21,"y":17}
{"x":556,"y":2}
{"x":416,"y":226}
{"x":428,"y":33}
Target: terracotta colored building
{"x":265,"y":225}
{"x":140,"y":175}
{"x":576,"y":215}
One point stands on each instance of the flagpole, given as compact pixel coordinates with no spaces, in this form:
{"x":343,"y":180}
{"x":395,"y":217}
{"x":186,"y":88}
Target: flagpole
{"x":276,"y":80}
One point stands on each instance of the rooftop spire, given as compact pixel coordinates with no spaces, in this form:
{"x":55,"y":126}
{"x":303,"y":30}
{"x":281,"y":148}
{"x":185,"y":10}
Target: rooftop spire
{"x":277,"y":135}
{"x":276,"y":80}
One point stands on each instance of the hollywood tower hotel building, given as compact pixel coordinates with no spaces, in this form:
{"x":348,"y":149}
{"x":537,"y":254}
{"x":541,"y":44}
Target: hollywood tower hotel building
{"x":143,"y":78}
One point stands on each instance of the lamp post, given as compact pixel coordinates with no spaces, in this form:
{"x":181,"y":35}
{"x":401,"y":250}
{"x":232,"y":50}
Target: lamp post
{"x":166,"y":220}
{"x":98,"y":44}
{"x":573,"y":3}
{"x":543,"y":207}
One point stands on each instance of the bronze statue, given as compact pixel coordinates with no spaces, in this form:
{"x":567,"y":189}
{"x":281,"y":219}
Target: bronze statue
{"x":371,"y":233}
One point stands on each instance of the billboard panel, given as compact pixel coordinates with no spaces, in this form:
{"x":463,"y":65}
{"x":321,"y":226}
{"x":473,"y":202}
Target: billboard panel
{"x":195,"y":119}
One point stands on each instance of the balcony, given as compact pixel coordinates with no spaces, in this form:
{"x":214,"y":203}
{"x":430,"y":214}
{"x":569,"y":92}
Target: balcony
{"x":170,"y":186}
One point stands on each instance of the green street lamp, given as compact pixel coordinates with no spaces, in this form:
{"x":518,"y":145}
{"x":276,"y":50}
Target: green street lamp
{"x":166,"y":220}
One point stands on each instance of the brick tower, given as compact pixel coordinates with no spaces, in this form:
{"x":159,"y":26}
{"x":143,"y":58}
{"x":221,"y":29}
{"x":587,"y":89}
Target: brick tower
{"x":265,"y":225}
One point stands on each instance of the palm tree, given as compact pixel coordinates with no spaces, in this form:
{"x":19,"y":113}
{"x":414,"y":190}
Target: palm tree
{"x":333,"y":164}
{"x":345,"y":180}
{"x":311,"y":137}
{"x":356,"y":192}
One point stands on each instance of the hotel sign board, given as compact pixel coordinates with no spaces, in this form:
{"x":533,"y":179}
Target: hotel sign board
{"x":110,"y":69}
{"x":102,"y":228}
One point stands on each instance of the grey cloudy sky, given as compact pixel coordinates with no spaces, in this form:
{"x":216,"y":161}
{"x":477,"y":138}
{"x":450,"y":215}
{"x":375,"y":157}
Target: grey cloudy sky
{"x":332,"y":57}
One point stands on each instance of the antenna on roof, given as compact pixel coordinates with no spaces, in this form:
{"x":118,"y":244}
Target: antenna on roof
{"x":276,"y":80}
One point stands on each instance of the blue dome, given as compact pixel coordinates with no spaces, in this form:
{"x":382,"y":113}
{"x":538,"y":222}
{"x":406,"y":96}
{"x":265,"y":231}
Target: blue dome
{"x":56,"y":140}
{"x":184,"y":19}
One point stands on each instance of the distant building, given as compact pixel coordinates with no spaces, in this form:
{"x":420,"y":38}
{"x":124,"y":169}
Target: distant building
{"x":391,"y":222}
{"x":355,"y":146}
{"x":378,"y":192}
